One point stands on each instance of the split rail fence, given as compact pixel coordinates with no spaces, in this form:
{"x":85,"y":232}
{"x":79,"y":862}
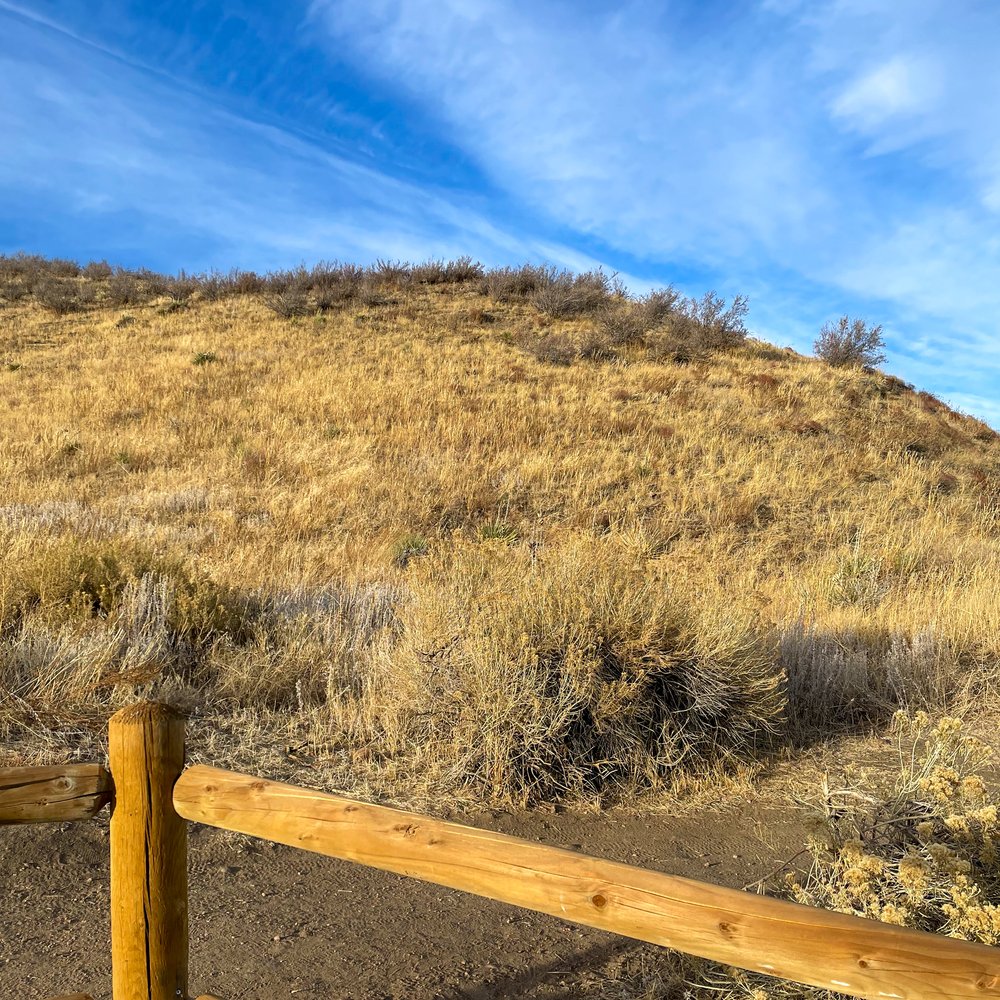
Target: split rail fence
{"x":153,"y":797}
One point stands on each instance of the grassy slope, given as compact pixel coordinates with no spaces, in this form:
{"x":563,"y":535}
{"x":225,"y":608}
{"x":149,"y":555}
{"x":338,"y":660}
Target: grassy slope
{"x":393,"y":537}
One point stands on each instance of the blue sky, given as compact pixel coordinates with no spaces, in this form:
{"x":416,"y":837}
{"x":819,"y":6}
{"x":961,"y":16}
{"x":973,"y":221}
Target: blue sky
{"x":821,"y":156}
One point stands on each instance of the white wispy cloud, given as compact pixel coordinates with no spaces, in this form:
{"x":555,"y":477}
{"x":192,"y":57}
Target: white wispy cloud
{"x":900,"y":86}
{"x":93,"y":134}
{"x":829,"y":143}
{"x":605,"y":122}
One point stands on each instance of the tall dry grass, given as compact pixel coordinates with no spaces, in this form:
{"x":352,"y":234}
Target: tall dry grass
{"x":387,"y":531}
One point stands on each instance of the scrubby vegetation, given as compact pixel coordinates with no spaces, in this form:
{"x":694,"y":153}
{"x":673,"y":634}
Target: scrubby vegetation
{"x":850,"y":342}
{"x":496,"y":535}
{"x":914,"y":845}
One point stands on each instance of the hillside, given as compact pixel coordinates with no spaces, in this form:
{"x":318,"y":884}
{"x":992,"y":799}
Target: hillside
{"x":499,"y":538}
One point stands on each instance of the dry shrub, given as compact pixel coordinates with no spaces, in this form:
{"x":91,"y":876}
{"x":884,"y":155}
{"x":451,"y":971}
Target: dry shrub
{"x":31,"y":269}
{"x":62,"y":295}
{"x":19,"y":265}
{"x":510,"y":284}
{"x":181,"y":288}
{"x":463,"y":269}
{"x":306,"y":647}
{"x":212,"y":286}
{"x":334,"y":284}
{"x":14,"y":290}
{"x":619,"y":324}
{"x":391,"y":272}
{"x":62,"y":268}
{"x":719,"y":326}
{"x":621,"y":321}
{"x":550,"y":348}
{"x":289,"y":304}
{"x":439,"y":272}
{"x":526,"y":680}
{"x":431,"y":272}
{"x":850,"y":343}
{"x":66,"y":578}
{"x":690,"y":328}
{"x":563,"y":293}
{"x":371,"y":295}
{"x":246,"y":282}
{"x":98,"y":270}
{"x":857,"y":677}
{"x":125,"y":289}
{"x":916,"y":848}
{"x":913,"y":846}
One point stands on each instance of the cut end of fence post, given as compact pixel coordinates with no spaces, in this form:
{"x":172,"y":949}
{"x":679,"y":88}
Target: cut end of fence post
{"x":146,"y":713}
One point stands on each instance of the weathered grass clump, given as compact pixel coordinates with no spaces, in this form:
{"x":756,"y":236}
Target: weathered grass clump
{"x":527,"y":680}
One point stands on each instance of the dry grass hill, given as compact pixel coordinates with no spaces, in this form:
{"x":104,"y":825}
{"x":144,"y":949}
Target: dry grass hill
{"x":504,"y":536}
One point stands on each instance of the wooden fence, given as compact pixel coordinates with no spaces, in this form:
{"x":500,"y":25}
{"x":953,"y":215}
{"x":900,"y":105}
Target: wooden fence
{"x":153,"y":797}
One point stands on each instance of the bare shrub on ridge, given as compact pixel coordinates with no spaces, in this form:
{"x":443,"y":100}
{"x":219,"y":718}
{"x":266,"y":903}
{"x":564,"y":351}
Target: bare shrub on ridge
{"x":564,"y":294}
{"x":510,"y":284}
{"x":62,"y":295}
{"x":850,"y":342}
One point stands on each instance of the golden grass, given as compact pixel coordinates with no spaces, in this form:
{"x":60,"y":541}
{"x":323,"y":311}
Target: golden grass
{"x":275,"y":522}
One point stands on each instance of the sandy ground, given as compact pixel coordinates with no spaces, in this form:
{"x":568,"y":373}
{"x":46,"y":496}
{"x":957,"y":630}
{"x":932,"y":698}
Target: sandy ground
{"x":269,"y":921}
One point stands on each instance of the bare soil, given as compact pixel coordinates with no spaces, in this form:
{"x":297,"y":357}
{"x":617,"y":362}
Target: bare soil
{"x":269,"y":921}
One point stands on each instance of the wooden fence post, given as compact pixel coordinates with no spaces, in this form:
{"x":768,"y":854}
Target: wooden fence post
{"x":149,"y":918}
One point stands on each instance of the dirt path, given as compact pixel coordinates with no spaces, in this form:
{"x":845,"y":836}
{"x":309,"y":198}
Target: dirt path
{"x":269,"y":921}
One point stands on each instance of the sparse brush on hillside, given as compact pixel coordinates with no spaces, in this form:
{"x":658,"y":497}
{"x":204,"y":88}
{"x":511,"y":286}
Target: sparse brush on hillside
{"x":458,"y":546}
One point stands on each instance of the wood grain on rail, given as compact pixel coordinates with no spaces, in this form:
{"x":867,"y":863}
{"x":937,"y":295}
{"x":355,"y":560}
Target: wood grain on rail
{"x":847,"y":954}
{"x":53,"y":794}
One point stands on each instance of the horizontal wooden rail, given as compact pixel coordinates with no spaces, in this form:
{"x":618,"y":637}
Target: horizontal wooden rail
{"x":53,"y":794}
{"x":816,"y":947}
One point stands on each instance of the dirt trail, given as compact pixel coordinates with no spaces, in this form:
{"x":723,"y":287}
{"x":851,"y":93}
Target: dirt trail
{"x":269,"y":921}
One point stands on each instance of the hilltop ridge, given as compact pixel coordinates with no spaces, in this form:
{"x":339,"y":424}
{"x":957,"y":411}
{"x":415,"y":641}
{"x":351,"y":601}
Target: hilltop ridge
{"x":505,"y":535}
